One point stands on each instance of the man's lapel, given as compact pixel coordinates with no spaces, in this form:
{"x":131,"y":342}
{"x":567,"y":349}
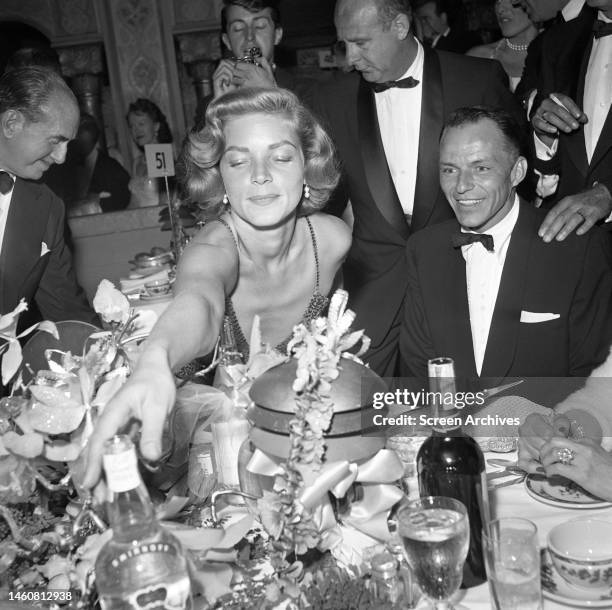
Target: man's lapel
{"x":19,"y":254}
{"x":432,"y":120}
{"x":604,"y":143}
{"x":375,"y":162}
{"x":503,"y":333}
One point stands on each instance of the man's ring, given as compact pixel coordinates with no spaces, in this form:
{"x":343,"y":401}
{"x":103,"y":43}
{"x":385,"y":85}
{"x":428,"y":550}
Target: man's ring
{"x":544,"y":116}
{"x":566,"y":455}
{"x":580,"y":214}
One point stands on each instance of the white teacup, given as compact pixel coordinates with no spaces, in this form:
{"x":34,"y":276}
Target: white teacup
{"x":581,"y":551}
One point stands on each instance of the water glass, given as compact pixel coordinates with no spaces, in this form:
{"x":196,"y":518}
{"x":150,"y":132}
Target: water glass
{"x":435,"y":532}
{"x":512,"y":559}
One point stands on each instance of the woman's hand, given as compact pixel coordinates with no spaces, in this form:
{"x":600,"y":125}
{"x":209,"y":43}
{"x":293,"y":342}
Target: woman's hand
{"x":147,"y":396}
{"x":534,"y":434}
{"x":590,"y":466}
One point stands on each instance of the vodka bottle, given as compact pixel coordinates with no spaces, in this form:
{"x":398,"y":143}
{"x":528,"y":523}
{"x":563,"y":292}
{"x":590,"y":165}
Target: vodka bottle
{"x":142,"y":565}
{"x":451,"y":464}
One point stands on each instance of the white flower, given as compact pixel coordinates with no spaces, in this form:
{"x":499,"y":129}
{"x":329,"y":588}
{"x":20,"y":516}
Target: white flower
{"x":111,"y":303}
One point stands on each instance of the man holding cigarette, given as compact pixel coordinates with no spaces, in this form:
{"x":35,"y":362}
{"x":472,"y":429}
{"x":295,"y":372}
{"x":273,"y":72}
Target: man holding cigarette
{"x":572,"y":121}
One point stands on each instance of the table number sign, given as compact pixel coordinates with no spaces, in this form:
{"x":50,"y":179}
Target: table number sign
{"x":160,"y":160}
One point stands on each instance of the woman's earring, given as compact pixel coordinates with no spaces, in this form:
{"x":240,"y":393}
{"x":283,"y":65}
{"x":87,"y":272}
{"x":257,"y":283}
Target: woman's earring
{"x":306,"y":191}
{"x":225,"y":199}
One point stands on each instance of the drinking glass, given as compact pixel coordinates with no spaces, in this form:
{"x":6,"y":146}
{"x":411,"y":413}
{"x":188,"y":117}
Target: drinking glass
{"x":435,"y":532}
{"x":512,"y":559}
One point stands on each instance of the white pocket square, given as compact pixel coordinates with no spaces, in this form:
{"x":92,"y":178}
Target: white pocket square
{"x":533,"y":317}
{"x":43,"y":248}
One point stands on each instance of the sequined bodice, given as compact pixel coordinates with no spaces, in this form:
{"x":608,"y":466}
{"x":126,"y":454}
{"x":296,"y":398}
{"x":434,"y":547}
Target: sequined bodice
{"x":315,"y":308}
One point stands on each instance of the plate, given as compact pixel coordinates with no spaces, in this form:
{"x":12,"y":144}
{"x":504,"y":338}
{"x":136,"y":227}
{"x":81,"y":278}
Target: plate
{"x":561,"y":492}
{"x":555,"y":588}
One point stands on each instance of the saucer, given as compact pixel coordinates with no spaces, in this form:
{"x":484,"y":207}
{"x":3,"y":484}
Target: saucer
{"x":557,"y":589}
{"x":561,"y":492}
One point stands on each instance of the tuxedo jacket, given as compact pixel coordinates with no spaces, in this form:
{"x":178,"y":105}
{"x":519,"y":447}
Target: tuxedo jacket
{"x":35,"y":263}
{"x":572,"y":278}
{"x":375,"y":272}
{"x":565,"y":52}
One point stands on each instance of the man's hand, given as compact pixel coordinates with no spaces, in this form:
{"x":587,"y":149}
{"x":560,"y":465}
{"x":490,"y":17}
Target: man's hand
{"x":576,"y":212}
{"x":231,"y":74}
{"x":558,"y":112}
{"x":223,"y":77}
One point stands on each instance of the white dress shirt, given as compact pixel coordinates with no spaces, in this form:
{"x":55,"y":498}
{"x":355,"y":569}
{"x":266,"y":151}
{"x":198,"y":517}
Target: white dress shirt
{"x":597,"y":89}
{"x":399,"y":119}
{"x":5,"y":202}
{"x":483,"y":271}
{"x":572,"y":9}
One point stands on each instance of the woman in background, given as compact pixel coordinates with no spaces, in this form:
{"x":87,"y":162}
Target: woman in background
{"x":518,"y":31}
{"x":147,"y":125}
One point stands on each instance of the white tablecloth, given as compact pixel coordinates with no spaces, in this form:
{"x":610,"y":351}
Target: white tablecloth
{"x":514,"y":501}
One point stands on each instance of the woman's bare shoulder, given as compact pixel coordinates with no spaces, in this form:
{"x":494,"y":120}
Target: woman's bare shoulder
{"x":484,"y":50}
{"x":334,"y":236}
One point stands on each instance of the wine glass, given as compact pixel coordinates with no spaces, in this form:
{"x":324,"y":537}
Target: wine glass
{"x":435,"y":532}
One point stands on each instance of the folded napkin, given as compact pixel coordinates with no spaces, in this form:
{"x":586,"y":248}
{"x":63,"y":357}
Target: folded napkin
{"x":136,"y":281}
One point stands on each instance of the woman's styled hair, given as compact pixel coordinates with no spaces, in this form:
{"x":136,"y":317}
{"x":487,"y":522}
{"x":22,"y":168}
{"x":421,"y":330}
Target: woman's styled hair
{"x":203,"y":149}
{"x":145,"y":106}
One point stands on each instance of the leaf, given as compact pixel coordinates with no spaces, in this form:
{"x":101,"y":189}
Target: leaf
{"x":61,"y":451}
{"x":108,"y":389}
{"x":45,"y":325}
{"x":53,"y":397}
{"x":53,"y":420}
{"x":9,"y":320}
{"x":11,"y":361}
{"x":27,"y":445}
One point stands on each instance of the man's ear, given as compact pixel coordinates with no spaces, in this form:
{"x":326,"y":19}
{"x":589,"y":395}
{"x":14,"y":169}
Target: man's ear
{"x":401,"y":25}
{"x":226,"y":42}
{"x":519,"y":171}
{"x":278,"y":34}
{"x":11,"y":122}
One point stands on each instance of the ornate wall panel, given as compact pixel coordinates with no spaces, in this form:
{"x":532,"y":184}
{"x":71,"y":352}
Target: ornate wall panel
{"x":195,"y":14}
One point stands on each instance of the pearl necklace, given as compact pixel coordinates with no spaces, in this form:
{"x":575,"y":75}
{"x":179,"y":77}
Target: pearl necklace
{"x":516,"y":47}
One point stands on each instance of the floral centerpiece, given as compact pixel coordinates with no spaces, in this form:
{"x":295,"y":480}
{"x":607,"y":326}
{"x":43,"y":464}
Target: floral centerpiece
{"x":44,"y":427}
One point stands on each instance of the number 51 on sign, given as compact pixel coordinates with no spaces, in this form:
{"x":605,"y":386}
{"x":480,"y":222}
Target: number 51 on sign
{"x":160,"y":160}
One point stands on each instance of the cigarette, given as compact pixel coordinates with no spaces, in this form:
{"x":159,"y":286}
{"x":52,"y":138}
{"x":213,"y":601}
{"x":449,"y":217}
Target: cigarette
{"x":557,"y":101}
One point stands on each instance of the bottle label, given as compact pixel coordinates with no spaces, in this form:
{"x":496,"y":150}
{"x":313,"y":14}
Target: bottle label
{"x":151,"y":547}
{"x":165,"y":596}
{"x":121,"y":471}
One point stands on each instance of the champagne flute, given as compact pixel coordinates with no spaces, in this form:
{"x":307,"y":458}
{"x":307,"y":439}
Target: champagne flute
{"x":435,"y":532}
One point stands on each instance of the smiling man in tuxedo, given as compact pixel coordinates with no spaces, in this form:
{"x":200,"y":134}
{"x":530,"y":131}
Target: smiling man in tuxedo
{"x":38,"y":117}
{"x":483,"y":288}
{"x":385,"y":119}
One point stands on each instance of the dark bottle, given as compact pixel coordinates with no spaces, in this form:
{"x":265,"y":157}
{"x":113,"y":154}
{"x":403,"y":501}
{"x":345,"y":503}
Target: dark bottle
{"x":451,"y":464}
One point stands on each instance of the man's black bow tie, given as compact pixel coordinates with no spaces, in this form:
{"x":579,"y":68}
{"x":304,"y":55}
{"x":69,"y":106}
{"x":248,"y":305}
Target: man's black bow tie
{"x":6,"y":183}
{"x":465,"y":239}
{"x":402,"y":83}
{"x":602,"y":28}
